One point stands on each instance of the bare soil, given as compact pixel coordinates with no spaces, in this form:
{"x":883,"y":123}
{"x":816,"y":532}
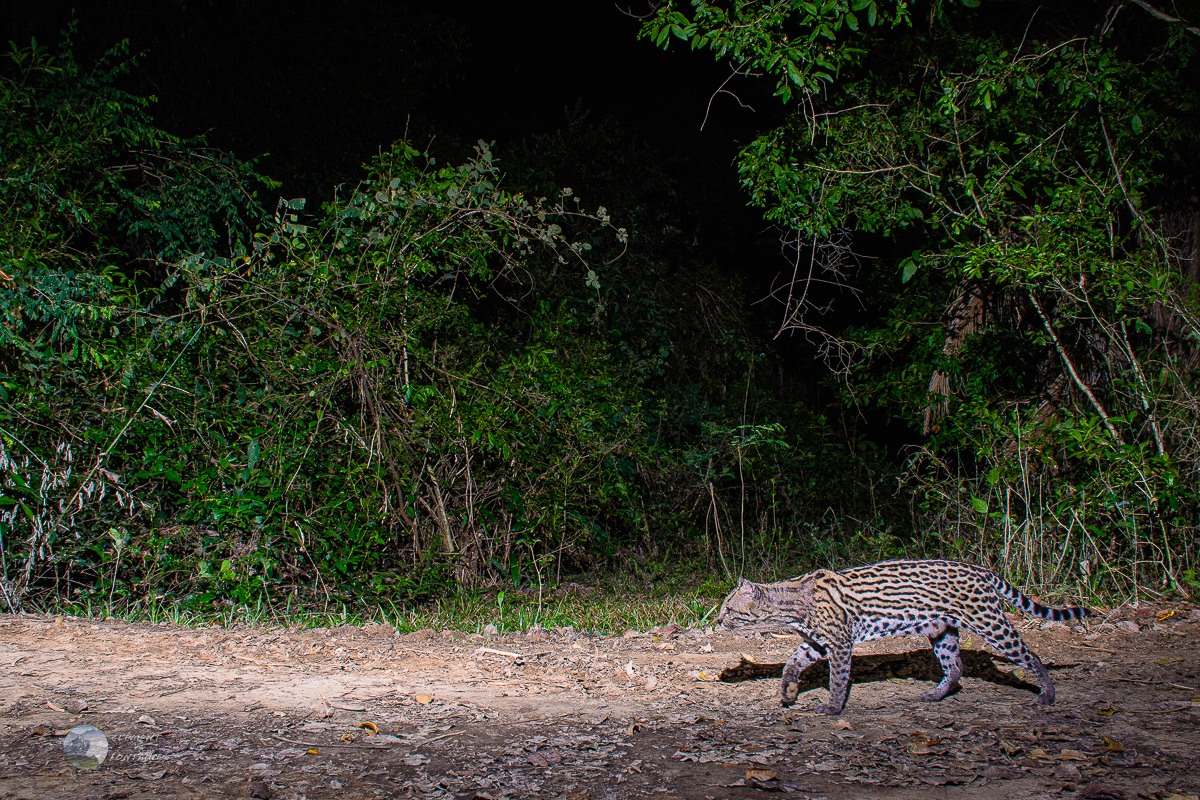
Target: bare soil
{"x":366,"y":713}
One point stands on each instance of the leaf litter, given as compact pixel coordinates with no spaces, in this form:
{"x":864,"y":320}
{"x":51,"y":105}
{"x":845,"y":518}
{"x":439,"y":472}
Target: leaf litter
{"x":667,"y":712}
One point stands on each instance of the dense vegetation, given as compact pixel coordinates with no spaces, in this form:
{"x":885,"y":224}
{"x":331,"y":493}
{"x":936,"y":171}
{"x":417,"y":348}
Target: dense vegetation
{"x":1013,"y":197}
{"x":475,"y":374}
{"x":431,"y":380}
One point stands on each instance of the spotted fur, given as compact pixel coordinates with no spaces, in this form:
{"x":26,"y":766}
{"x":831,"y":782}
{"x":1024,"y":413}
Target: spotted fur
{"x":834,"y":611}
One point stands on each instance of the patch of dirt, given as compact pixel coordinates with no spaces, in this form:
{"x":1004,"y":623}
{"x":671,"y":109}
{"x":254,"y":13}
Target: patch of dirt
{"x":363,"y":712}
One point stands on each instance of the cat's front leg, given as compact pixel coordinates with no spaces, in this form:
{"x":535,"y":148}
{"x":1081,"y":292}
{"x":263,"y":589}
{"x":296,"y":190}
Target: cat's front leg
{"x":839,"y":679}
{"x":804,"y":657}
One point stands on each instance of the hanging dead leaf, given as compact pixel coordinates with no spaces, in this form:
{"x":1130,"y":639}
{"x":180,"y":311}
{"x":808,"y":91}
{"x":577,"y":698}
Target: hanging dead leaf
{"x":423,"y":699}
{"x":1113,"y":745}
{"x":370,"y":726}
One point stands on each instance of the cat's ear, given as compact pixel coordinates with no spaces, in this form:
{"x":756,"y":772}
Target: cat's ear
{"x":741,"y":582}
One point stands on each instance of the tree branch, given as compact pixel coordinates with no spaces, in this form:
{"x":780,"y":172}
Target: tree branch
{"x":1165,"y":17}
{"x":1087,"y":390}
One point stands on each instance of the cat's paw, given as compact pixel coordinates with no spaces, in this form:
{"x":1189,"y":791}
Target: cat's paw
{"x":937,"y":693}
{"x":1045,"y":698}
{"x":826,"y":708}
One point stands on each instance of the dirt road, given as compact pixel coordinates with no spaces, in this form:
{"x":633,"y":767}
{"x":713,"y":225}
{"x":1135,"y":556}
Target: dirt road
{"x":366,"y":713}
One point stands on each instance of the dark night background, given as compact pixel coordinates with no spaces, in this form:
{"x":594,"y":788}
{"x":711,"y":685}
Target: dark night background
{"x":315,"y":88}
{"x":312,"y":89}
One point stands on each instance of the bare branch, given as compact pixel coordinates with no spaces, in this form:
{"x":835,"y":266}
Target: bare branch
{"x":1165,"y":17}
{"x":722,"y":90}
{"x":1083,"y":387}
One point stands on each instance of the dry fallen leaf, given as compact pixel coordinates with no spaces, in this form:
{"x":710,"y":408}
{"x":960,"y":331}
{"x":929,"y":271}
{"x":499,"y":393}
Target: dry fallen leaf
{"x":1165,"y":615}
{"x":147,"y":776}
{"x":1107,"y":711}
{"x":56,"y":708}
{"x":1038,"y":752}
{"x":371,"y":726}
{"x":1114,"y":746}
{"x":423,"y":699}
{"x":629,"y":668}
{"x":758,"y":774}
{"x":313,"y":752}
{"x":347,"y":738}
{"x":1173,"y":796}
{"x":1071,"y":755}
{"x":1166,"y":662}
{"x":145,"y":720}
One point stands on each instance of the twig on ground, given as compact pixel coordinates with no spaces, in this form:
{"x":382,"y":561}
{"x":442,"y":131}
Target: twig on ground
{"x":315,"y":744}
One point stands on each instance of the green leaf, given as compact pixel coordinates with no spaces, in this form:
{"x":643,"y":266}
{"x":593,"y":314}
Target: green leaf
{"x":1136,"y":123}
{"x":979,"y":504}
{"x":910,"y":269}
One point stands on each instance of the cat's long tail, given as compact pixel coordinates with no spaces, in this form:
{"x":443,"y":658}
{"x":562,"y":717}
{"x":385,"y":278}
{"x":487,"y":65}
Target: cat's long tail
{"x":1030,"y":606}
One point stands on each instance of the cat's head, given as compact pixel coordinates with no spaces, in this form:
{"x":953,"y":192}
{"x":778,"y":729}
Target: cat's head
{"x":746,"y":606}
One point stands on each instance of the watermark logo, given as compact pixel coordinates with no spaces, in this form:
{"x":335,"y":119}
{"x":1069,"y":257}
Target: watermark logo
{"x":85,"y":747}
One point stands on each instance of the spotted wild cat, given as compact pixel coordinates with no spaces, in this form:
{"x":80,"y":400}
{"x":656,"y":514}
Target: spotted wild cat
{"x":833,"y":611}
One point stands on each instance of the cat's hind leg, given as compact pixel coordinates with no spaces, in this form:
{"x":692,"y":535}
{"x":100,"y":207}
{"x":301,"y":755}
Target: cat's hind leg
{"x":945,"y":647}
{"x":1002,"y":636}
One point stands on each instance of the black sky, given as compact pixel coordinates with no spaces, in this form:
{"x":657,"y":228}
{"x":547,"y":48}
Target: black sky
{"x":312,"y":80}
{"x":319,"y":86}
